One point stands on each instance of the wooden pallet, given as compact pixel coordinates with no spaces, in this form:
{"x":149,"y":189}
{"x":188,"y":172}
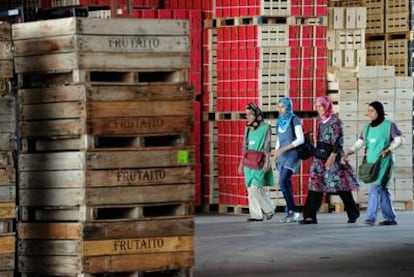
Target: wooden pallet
{"x":112,"y":213}
{"x":101,"y":77}
{"x":233,"y":209}
{"x":185,"y":272}
{"x":248,"y":20}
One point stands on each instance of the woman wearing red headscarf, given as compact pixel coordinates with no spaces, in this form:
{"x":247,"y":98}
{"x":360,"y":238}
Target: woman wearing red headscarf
{"x":328,"y":174}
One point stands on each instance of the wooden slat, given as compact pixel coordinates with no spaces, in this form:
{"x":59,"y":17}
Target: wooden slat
{"x":145,"y":158}
{"x":6,"y":68}
{"x":51,"y":197}
{"x":61,"y":110}
{"x":138,"y":125}
{"x":105,"y":44}
{"x":7,"y":242}
{"x":138,"y":262}
{"x":8,"y":139}
{"x":52,"y":161}
{"x":8,"y":193}
{"x":66,"y":26}
{"x":5,"y":31}
{"x":53,"y":128}
{"x":7,"y":210}
{"x":139,"y":194}
{"x":70,"y":61}
{"x":7,"y":177}
{"x":7,"y":263}
{"x":6,"y":50}
{"x":55,"y":264}
{"x":136,"y":177}
{"x":52,"y":179}
{"x":138,"y":246}
{"x":50,"y":247}
{"x":68,"y":231}
{"x":132,"y":109}
{"x":52,"y":95}
{"x":141,"y":228}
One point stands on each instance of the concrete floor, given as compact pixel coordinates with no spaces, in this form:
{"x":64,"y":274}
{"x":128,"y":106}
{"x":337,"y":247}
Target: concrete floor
{"x":228,"y":245}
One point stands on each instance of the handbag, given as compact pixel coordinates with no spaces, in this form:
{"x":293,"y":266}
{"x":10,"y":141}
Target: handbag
{"x":251,"y":158}
{"x":306,"y":149}
{"x":323,"y":150}
{"x":368,"y":172}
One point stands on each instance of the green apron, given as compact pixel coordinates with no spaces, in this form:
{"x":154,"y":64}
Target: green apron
{"x":377,"y":140}
{"x":256,"y":142}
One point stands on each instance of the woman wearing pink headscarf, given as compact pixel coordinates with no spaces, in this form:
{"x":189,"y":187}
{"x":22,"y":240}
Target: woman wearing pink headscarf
{"x":328,"y":174}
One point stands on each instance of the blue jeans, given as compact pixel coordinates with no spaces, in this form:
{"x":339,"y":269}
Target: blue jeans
{"x":380,"y":196}
{"x":285,"y":185}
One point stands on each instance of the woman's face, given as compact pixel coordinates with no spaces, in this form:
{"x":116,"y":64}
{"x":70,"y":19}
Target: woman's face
{"x":282,"y":108}
{"x":250,"y":116}
{"x":320,"y":109}
{"x":372,"y":113}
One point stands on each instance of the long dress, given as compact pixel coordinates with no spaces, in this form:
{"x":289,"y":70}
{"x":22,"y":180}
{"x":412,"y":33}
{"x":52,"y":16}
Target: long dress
{"x":340,"y":177}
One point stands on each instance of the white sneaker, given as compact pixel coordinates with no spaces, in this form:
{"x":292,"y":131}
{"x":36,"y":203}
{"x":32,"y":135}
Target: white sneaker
{"x":291,"y":217}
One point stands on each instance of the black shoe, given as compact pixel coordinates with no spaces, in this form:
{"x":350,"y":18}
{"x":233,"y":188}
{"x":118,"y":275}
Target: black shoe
{"x":388,"y":222}
{"x":308,"y":221}
{"x":250,"y":219}
{"x":352,"y":220}
{"x":269,"y":216}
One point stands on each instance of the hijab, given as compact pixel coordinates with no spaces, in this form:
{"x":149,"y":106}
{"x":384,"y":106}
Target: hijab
{"x":258,"y":114}
{"x":326,"y":103}
{"x":283,"y":121}
{"x":380,"y":111}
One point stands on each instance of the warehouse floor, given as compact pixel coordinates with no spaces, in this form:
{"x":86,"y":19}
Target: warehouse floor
{"x":228,"y":245}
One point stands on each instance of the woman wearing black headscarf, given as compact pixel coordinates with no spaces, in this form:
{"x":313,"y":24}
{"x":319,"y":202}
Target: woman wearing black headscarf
{"x":380,"y":137}
{"x":257,"y":138}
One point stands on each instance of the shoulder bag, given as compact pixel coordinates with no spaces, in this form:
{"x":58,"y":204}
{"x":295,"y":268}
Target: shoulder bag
{"x":368,"y":172}
{"x":306,"y":149}
{"x":251,"y":158}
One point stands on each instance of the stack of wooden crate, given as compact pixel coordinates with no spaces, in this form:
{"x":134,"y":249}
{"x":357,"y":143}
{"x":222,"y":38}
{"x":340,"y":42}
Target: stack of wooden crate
{"x":346,"y":36}
{"x":7,"y":154}
{"x":106,"y":171}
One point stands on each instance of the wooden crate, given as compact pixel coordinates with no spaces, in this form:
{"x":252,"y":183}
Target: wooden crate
{"x":349,"y":39}
{"x":7,"y":254}
{"x":97,"y":46}
{"x":375,"y":23}
{"x":397,"y":6}
{"x":94,"y":185}
{"x":6,"y":55}
{"x":7,"y":122}
{"x":397,"y":22}
{"x":106,"y":247}
{"x":375,"y":52}
{"x":90,"y":117}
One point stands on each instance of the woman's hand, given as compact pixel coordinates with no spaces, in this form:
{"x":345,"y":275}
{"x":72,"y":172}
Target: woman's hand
{"x":266,"y":166}
{"x":277,"y":154}
{"x":240,"y":169}
{"x":385,"y":152}
{"x":330,"y":161}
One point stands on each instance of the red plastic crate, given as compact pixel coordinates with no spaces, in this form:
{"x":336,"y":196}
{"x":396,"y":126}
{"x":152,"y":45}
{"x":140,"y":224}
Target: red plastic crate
{"x":321,"y":8}
{"x":307,"y":8}
{"x":295,"y":7}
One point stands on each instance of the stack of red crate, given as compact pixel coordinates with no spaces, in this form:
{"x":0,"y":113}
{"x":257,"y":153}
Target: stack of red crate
{"x":205,"y":5}
{"x":232,"y":190}
{"x":308,"y":64}
{"x":194,"y":73}
{"x":252,"y":66}
{"x":209,"y":70}
{"x":237,"y":8}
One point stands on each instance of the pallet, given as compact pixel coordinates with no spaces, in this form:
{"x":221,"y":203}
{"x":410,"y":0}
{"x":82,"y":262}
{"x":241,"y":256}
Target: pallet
{"x":106,"y":213}
{"x":233,"y":209}
{"x":100,"y":142}
{"x":152,"y":273}
{"x":98,"y":76}
{"x":248,"y":20}
{"x":407,"y":35}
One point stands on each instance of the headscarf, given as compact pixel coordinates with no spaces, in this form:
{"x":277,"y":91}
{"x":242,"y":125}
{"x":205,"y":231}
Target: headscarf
{"x":380,"y":111}
{"x":283,"y":121}
{"x":326,"y":103}
{"x":257,"y":113}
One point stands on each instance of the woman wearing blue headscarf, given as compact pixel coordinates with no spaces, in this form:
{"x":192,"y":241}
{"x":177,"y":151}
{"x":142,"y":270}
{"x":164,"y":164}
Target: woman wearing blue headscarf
{"x":286,"y":158}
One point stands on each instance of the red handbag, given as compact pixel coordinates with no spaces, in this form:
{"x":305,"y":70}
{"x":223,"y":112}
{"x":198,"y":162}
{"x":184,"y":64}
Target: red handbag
{"x":253,"y":159}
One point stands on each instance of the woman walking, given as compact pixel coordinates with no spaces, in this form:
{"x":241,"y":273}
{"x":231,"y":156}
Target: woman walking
{"x":290,"y":135}
{"x":380,"y":137}
{"x":257,"y":142}
{"x":328,"y":174}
